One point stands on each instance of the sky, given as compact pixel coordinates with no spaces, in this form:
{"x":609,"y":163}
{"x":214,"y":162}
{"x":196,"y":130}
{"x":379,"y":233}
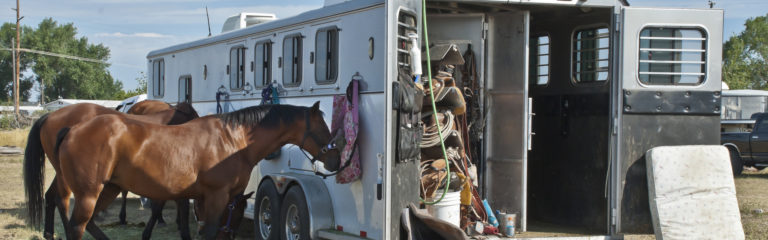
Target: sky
{"x":132,"y":28}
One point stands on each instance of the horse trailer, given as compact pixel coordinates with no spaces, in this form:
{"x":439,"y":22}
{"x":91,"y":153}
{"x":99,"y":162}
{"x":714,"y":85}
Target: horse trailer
{"x":571,"y":93}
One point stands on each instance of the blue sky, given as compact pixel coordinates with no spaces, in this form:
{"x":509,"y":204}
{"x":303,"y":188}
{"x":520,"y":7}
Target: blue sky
{"x":131,"y":28}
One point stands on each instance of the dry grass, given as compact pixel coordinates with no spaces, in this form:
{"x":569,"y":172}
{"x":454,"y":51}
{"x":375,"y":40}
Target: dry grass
{"x":16,"y":137}
{"x":752,"y":192}
{"x":13,"y":212}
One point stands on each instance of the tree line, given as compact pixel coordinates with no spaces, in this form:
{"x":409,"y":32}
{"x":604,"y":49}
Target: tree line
{"x":60,"y":77}
{"x":745,"y":56}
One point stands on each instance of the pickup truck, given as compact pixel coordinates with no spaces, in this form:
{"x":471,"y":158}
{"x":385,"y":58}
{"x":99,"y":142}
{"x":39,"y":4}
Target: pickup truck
{"x":748,"y":148}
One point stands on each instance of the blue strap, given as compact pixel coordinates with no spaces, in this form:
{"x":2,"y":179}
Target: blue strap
{"x":231,"y":207}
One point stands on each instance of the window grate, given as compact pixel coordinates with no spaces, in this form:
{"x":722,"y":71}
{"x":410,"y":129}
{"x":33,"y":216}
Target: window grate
{"x":406,"y":24}
{"x":539,"y":60}
{"x":672,"y":56}
{"x":591,"y":55}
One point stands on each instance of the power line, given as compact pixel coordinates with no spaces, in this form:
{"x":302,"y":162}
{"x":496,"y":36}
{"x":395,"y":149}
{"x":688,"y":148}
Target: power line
{"x":57,"y":55}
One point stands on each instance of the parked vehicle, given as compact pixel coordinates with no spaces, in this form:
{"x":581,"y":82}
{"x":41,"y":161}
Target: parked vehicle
{"x":607,"y":82}
{"x":748,"y":148}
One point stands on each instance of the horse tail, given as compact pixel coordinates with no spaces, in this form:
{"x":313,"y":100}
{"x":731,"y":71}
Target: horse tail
{"x":60,"y":138}
{"x":34,"y":172}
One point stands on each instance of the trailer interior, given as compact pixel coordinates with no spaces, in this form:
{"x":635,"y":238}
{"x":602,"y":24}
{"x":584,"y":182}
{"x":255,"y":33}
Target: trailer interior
{"x":552,"y":61}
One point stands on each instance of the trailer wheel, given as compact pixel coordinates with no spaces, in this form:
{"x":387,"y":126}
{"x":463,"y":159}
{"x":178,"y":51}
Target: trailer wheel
{"x":266,"y":212}
{"x":736,"y":162}
{"x":295,"y":215}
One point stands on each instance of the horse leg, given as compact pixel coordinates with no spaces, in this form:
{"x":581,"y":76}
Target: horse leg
{"x":157,"y":212}
{"x":85,"y":203}
{"x":182,"y":214}
{"x":108,"y":194}
{"x":60,"y":196}
{"x":213,"y":208}
{"x":122,"y":209}
{"x":50,"y":209}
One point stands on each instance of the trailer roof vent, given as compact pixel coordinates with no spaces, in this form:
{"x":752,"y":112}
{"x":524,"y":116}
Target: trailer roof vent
{"x":243,"y":20}
{"x":332,"y":2}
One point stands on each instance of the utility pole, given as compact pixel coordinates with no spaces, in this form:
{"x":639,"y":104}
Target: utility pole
{"x":711,"y":4}
{"x":17,"y":58}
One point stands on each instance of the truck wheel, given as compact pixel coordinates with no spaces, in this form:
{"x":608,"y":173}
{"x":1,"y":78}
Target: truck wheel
{"x":295,"y":215}
{"x":736,"y":162}
{"x":266,"y":212}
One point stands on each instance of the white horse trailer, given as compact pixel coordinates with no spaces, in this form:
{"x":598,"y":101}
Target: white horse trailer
{"x":606,"y":82}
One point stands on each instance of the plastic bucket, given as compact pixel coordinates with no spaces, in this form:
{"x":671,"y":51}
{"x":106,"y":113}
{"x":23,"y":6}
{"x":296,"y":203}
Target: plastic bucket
{"x":449,"y":209}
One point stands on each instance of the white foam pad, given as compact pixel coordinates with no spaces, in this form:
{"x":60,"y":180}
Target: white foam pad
{"x":692,"y":193}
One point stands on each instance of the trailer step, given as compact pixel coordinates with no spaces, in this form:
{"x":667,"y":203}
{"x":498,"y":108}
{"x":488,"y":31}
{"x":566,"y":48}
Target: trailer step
{"x":337,"y":235}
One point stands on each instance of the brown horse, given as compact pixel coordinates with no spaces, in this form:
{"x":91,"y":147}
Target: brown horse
{"x":41,"y":142}
{"x":207,"y":159}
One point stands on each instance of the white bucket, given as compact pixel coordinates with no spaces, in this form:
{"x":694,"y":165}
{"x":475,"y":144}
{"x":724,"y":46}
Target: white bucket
{"x":449,"y":209}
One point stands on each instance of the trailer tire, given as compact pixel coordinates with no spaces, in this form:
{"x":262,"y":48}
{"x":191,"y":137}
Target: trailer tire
{"x":736,"y":162}
{"x":295,"y":215}
{"x":266,"y":212}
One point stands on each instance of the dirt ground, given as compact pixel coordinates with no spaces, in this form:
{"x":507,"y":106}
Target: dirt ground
{"x":13,"y":212}
{"x":751,"y":188}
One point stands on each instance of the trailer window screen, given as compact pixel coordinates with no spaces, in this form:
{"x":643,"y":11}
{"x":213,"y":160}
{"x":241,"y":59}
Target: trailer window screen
{"x":262,"y":71}
{"x":406,"y":24}
{"x":236,"y":67}
{"x":539,"y":58}
{"x":672,"y":56}
{"x":591,"y":48}
{"x":292,"y":61}
{"x":158,"y":78}
{"x":327,"y":47}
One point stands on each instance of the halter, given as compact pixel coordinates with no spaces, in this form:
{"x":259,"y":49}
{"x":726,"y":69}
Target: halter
{"x":326,"y":147}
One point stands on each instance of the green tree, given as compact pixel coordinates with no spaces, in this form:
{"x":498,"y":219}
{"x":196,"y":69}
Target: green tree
{"x":745,"y":56}
{"x":69,"y":78}
{"x":141,"y":88}
{"x":8,"y":32}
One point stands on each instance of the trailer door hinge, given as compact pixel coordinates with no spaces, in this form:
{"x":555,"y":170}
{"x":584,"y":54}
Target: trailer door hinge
{"x":613,"y":217}
{"x":485,"y":30}
{"x":615,"y":125}
{"x":617,"y":23}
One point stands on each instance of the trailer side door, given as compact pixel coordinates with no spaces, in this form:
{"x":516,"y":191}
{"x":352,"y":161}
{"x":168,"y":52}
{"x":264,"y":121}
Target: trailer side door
{"x":667,"y":93}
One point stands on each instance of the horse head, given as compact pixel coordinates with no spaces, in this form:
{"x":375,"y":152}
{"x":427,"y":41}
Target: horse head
{"x":317,"y":140}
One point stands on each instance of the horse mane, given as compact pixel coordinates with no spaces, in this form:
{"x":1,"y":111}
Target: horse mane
{"x":187,"y":109}
{"x":269,"y":115}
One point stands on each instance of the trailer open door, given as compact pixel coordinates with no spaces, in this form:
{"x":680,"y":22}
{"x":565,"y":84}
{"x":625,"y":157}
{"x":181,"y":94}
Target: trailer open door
{"x":667,"y":92}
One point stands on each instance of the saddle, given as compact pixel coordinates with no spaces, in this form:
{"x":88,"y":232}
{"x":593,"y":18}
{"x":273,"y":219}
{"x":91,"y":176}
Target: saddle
{"x":447,"y":95}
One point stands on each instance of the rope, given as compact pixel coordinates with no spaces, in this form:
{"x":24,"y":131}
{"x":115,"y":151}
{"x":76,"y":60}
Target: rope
{"x":431,"y":136}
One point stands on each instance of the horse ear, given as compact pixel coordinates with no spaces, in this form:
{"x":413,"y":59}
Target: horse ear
{"x":315,"y":108}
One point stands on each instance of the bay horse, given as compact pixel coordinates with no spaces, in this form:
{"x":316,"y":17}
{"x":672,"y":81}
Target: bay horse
{"x":208,"y":159}
{"x":41,"y":142}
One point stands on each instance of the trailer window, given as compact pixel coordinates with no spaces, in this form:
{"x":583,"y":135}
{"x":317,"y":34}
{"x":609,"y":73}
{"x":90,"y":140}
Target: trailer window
{"x":158,"y":78}
{"x":236,"y":68}
{"x":591,"y":49}
{"x":406,"y":24}
{"x":539,"y":58}
{"x":263,"y":61}
{"x":327,"y":47}
{"x":185,"y":89}
{"x":292,"y":61}
{"x":672,"y":56}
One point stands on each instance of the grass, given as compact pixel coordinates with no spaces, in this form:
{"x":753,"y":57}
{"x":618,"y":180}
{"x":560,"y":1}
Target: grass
{"x":16,"y":137}
{"x":752,"y":192}
{"x":13,"y":212}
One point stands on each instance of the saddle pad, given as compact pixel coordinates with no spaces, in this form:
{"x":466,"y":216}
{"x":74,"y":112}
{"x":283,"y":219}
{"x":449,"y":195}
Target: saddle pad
{"x":692,"y":193}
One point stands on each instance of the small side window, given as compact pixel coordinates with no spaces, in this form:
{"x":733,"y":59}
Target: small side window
{"x":292,"y":61}
{"x":263,"y":64}
{"x":158,"y":78}
{"x":185,"y":89}
{"x":236,"y":67}
{"x":672,"y":56}
{"x":327,"y":47}
{"x":591,"y":59}
{"x":539,"y":58}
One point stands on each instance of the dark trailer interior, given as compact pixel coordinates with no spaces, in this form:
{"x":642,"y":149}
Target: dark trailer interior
{"x":567,"y":88}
